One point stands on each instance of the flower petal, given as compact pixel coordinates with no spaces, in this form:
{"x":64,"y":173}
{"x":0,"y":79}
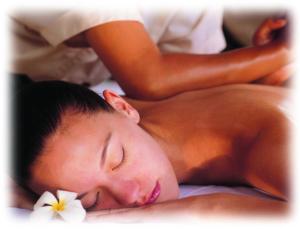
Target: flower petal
{"x":74,"y":212}
{"x":66,"y":196}
{"x":46,"y":198}
{"x":42,"y":214}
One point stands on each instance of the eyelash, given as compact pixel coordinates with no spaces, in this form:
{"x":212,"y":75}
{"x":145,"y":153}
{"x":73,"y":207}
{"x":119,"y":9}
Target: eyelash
{"x":121,"y":162}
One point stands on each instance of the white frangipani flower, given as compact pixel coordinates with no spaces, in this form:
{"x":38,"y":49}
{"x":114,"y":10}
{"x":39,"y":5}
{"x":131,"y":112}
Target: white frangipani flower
{"x":67,"y":207}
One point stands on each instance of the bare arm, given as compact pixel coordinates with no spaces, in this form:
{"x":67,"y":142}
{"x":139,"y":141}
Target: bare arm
{"x":145,"y":73}
{"x":204,"y":206}
{"x":266,"y":164}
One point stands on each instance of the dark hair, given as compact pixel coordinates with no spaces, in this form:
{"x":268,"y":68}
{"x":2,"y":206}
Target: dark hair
{"x":38,"y":109}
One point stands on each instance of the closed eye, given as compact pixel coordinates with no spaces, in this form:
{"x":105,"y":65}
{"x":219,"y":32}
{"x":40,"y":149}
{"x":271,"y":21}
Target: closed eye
{"x":121,"y":161}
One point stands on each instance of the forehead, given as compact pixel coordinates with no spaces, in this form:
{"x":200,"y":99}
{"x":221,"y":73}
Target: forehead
{"x":76,"y":131}
{"x":77,"y":125}
{"x":69,"y":158}
{"x":72,"y":120}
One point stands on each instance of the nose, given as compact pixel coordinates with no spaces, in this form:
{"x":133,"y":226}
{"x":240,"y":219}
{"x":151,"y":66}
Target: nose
{"x":127,"y":192}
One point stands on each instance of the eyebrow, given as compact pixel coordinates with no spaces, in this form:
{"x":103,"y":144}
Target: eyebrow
{"x":103,"y":157}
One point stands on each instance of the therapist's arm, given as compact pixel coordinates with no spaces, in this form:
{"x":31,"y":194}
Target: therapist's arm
{"x":144,"y":72}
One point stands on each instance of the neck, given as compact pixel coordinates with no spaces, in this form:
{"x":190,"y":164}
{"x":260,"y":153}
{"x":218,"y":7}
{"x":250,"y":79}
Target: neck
{"x":160,"y":134}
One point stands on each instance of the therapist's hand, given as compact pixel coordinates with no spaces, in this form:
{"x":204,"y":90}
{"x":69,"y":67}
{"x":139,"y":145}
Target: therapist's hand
{"x":270,"y":30}
{"x":279,"y":77}
{"x":274,"y":30}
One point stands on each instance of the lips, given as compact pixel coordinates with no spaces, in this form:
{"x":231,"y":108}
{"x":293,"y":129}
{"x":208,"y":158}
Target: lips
{"x":154,"y":194}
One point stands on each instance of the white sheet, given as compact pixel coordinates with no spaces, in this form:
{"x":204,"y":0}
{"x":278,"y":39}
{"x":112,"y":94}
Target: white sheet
{"x":195,"y":190}
{"x":185,"y":191}
{"x":107,"y":84}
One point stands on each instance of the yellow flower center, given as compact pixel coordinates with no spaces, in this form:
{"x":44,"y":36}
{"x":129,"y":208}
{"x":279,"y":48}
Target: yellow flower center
{"x":59,"y":206}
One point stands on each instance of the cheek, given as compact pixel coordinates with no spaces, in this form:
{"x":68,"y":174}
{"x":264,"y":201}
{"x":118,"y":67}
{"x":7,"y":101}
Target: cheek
{"x":148,"y":163}
{"x":79,"y":176}
{"x":106,"y":201}
{"x":78,"y":180}
{"x":147,"y":160}
{"x":145,"y":154}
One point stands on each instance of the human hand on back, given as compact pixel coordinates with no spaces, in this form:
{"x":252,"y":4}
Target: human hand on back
{"x":274,"y":31}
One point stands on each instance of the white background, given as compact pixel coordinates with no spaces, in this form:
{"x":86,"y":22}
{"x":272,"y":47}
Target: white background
{"x":9,"y":5}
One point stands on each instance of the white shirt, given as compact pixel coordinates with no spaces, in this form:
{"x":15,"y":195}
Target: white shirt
{"x":38,"y":49}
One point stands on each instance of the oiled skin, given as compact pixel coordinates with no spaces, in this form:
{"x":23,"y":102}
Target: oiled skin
{"x":145,"y":73}
{"x":233,"y":134}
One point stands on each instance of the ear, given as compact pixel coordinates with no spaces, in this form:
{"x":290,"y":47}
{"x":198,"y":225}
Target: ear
{"x":120,"y":105}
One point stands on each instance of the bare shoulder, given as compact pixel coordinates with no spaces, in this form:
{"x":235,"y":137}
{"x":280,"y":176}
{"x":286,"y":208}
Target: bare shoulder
{"x":263,"y":102}
{"x":262,"y":92}
{"x":235,"y":95}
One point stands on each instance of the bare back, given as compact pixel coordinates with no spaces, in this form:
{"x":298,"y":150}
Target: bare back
{"x":207,"y":133}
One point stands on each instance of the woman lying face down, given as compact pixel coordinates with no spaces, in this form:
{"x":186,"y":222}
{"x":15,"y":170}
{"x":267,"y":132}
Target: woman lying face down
{"x":86,"y":145}
{"x":117,"y":155}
